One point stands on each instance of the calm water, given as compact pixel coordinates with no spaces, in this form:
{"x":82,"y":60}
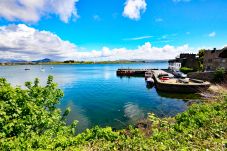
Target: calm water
{"x":98,"y":97}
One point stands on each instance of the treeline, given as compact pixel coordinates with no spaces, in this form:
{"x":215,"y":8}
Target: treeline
{"x":102,"y":62}
{"x":73,"y":62}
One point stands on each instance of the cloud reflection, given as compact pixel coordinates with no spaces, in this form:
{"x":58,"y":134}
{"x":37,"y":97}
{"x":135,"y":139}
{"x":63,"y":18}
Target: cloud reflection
{"x":133,"y":112}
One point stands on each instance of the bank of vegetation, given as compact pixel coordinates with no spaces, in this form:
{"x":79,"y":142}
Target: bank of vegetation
{"x":29,"y":120}
{"x":81,"y":62}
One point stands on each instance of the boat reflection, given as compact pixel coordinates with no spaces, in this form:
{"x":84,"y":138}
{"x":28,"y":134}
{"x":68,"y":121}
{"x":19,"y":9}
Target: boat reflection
{"x":149,"y":86}
{"x":180,"y":96}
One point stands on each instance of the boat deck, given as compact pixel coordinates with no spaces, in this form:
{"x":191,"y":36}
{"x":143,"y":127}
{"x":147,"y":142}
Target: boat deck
{"x":172,"y":80}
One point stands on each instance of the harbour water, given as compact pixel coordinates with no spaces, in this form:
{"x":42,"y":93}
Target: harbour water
{"x":98,"y":97}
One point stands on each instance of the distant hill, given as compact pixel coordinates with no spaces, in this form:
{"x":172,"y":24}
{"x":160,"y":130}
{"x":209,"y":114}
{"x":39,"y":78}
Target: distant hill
{"x":43,"y":60}
{"x":11,"y":61}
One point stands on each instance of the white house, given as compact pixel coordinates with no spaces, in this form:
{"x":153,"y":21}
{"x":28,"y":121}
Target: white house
{"x":173,"y":65}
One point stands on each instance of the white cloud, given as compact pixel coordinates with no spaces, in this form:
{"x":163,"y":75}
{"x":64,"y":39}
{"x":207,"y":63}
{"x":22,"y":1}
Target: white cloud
{"x":96,"y":17}
{"x":138,"y":38}
{"x":133,"y":8}
{"x":147,"y":51}
{"x":23,"y":42}
{"x":33,"y":10}
{"x":181,"y":1}
{"x":212,"y":34}
{"x":158,"y":20}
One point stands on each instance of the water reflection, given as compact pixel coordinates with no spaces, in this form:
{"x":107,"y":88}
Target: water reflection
{"x":133,"y":112}
{"x":17,"y":76}
{"x":149,"y":85}
{"x":77,"y":113}
{"x":180,"y":96}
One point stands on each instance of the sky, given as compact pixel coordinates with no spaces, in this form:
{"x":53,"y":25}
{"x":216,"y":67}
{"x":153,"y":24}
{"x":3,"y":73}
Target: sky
{"x":110,"y":29}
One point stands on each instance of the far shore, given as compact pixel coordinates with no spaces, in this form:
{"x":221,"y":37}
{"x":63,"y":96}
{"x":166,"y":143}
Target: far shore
{"x":78,"y":62}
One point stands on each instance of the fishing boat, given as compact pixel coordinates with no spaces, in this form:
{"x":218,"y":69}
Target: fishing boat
{"x":27,"y":68}
{"x":41,"y":68}
{"x":164,"y":81}
{"x":181,"y":86}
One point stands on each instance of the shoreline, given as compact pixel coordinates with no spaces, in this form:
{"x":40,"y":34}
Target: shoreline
{"x":81,"y":63}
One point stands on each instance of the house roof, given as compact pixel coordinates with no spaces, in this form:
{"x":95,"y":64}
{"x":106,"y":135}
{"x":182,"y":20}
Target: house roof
{"x":223,"y":54}
{"x":174,"y":61}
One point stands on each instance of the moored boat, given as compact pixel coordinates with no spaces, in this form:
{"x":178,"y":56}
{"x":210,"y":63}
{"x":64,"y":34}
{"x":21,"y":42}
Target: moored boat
{"x":150,"y":80}
{"x":148,"y":74}
{"x":42,"y":70}
{"x":174,"y":85}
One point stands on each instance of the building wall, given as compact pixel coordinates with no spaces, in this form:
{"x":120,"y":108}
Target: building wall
{"x":184,"y":60}
{"x":206,"y":76}
{"x":174,"y":66}
{"x":212,"y":61}
{"x":189,"y":60}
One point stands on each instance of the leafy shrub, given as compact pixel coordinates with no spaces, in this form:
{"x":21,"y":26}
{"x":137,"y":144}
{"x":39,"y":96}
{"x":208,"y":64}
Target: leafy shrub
{"x":219,"y":75}
{"x":30,"y":113}
{"x":186,"y":70}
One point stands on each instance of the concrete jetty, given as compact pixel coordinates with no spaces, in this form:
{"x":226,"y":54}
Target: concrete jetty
{"x":133,"y":72}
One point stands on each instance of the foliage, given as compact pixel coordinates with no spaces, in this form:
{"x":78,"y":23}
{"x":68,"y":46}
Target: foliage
{"x":200,"y":59}
{"x":219,"y":75}
{"x":30,"y":121}
{"x":186,"y":70}
{"x":30,"y":113}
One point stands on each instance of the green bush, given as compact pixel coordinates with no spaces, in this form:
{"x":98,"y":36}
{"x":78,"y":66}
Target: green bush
{"x":219,"y":75}
{"x":30,"y":116}
{"x":186,"y":70}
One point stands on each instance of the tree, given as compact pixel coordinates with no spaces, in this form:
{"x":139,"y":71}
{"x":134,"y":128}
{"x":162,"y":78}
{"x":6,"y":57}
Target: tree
{"x":200,"y":59}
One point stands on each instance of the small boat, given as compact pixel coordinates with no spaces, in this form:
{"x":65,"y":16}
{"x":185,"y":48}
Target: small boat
{"x":26,"y":69}
{"x":176,"y":86}
{"x":42,"y":70}
{"x":150,"y":80}
{"x":148,"y":74}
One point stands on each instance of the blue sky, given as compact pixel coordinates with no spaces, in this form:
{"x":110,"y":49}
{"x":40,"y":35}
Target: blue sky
{"x":102,"y":29}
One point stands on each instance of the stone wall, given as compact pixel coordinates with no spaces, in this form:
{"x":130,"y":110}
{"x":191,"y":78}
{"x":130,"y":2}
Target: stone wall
{"x":207,"y":76}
